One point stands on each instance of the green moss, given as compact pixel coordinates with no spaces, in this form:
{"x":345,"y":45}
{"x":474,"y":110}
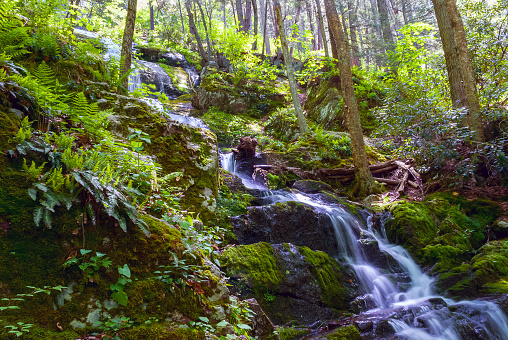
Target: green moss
{"x":480,"y":210}
{"x":491,"y":262}
{"x":255,"y":263}
{"x":273,"y":181}
{"x":445,"y":257}
{"x":498,"y":287}
{"x":160,"y":332}
{"x":290,"y":333}
{"x":345,"y":333}
{"x":38,"y":333}
{"x":328,"y":275}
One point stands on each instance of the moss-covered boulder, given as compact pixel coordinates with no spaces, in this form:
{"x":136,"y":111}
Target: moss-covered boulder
{"x":177,"y":147}
{"x":289,"y":282}
{"x":447,"y":233}
{"x":292,"y":222}
{"x":235,"y":94}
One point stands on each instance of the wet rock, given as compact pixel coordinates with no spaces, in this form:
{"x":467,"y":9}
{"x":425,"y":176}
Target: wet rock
{"x":500,"y":229}
{"x":362,"y":304}
{"x":292,"y":222}
{"x":289,"y":282}
{"x":310,"y":186}
{"x":246,"y":147}
{"x":262,"y":327}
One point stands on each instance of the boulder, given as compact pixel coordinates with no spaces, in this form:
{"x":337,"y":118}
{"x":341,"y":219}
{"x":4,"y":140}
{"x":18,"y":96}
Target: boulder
{"x":310,"y":186}
{"x":289,"y":282}
{"x":262,"y":326}
{"x":292,"y":222}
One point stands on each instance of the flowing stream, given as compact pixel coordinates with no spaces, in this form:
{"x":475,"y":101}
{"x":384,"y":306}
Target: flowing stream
{"x":404,"y":295}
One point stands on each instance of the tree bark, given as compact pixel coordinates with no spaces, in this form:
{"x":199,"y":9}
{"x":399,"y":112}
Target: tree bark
{"x":302,"y":124}
{"x":353,"y":22}
{"x":266,"y":39}
{"x":128,"y":36}
{"x":248,"y":16}
{"x":256,"y":24}
{"x":377,"y":41}
{"x":308,"y":7}
{"x":152,"y":21}
{"x":181,"y":17}
{"x":208,"y":42}
{"x":389,"y":43}
{"x":466,"y":67}
{"x":275,"y":28}
{"x":457,"y":91}
{"x":193,"y":30}
{"x":365,"y":183}
{"x":239,"y":11}
{"x":322,"y":28}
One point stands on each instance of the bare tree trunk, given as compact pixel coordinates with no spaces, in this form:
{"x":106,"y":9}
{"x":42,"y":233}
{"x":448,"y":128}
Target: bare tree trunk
{"x":322,"y":28}
{"x":457,"y":91}
{"x":193,"y":30}
{"x":239,"y":11}
{"x":378,"y":46}
{"x":248,"y":16}
{"x":181,"y":17}
{"x":256,"y":24}
{"x":295,"y":23}
{"x":308,"y":6}
{"x":365,"y":183}
{"x":353,"y":22}
{"x":275,"y":27}
{"x":389,"y":43}
{"x":128,"y":36}
{"x":333,"y":44}
{"x":208,"y":43}
{"x":466,"y":69}
{"x":266,"y":39}
{"x":224,"y":14}
{"x":152,"y":21}
{"x":289,"y":67}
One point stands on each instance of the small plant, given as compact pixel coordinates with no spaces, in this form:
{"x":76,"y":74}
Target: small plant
{"x":89,"y":265}
{"x":136,"y":141}
{"x":119,"y":288}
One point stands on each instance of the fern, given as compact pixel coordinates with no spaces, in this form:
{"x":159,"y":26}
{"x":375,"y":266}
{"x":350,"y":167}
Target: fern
{"x":13,"y":37}
{"x":45,"y":76}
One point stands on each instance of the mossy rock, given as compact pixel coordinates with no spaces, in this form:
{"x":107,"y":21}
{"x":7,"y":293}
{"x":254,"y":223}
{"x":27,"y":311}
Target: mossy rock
{"x":345,"y":333}
{"x":161,"y":332}
{"x":288,"y":282}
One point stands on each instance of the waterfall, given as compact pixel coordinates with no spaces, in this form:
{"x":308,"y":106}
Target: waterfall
{"x":427,"y":314}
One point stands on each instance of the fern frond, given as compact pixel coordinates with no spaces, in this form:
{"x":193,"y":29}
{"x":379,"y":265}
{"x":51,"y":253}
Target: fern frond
{"x":44,"y":75}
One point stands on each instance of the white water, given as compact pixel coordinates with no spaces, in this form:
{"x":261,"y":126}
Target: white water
{"x":434,"y":323}
{"x":228,"y":163}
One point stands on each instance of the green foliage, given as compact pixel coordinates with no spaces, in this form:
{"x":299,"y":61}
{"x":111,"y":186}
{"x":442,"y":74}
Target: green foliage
{"x":283,"y":125}
{"x":229,"y":128}
{"x":118,"y":289}
{"x":13,"y":36}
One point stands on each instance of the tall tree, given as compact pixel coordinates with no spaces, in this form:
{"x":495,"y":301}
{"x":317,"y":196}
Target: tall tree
{"x":389,"y":42}
{"x":474,"y":120}
{"x":208,"y":42}
{"x":248,"y":16}
{"x":365,"y":183}
{"x":128,"y":36}
{"x":266,"y":39}
{"x":256,"y":24}
{"x":193,"y":30}
{"x":353,"y":23}
{"x":302,"y":124}
{"x":457,"y":91}
{"x":308,"y":7}
{"x":152,"y":21}
{"x":239,"y":11}
{"x":322,"y":27}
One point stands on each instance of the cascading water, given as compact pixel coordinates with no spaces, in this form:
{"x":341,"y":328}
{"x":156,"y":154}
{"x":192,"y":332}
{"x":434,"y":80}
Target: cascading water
{"x":427,"y":315}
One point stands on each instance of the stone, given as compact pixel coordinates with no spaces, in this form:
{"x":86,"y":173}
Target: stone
{"x":262,"y":327}
{"x":246,"y":147}
{"x":291,"y":222}
{"x":312,"y":187}
{"x":500,"y":229}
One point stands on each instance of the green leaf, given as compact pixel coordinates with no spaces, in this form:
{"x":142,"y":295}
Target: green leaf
{"x":38,"y":215}
{"x":120,"y":297}
{"x":125,"y":271}
{"x":204,"y":319}
{"x":84,"y":251}
{"x":32,"y":193}
{"x":243,"y":326}
{"x":223,"y":323}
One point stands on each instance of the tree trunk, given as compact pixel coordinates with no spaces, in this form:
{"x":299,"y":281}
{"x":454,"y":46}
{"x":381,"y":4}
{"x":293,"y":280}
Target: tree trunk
{"x":308,"y":6}
{"x":266,"y":39}
{"x":128,"y":36}
{"x":224,"y":14}
{"x":152,"y":21}
{"x":365,"y":183}
{"x":389,"y":43}
{"x":208,"y":42}
{"x":353,"y":22}
{"x":275,"y":28}
{"x":322,"y":28}
{"x":248,"y":16}
{"x":256,"y":24}
{"x":378,"y":46}
{"x":466,"y":68}
{"x":289,"y":68}
{"x":239,"y":11}
{"x":193,"y":30}
{"x":294,"y":35}
{"x":181,"y":17}
{"x":457,"y":91}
